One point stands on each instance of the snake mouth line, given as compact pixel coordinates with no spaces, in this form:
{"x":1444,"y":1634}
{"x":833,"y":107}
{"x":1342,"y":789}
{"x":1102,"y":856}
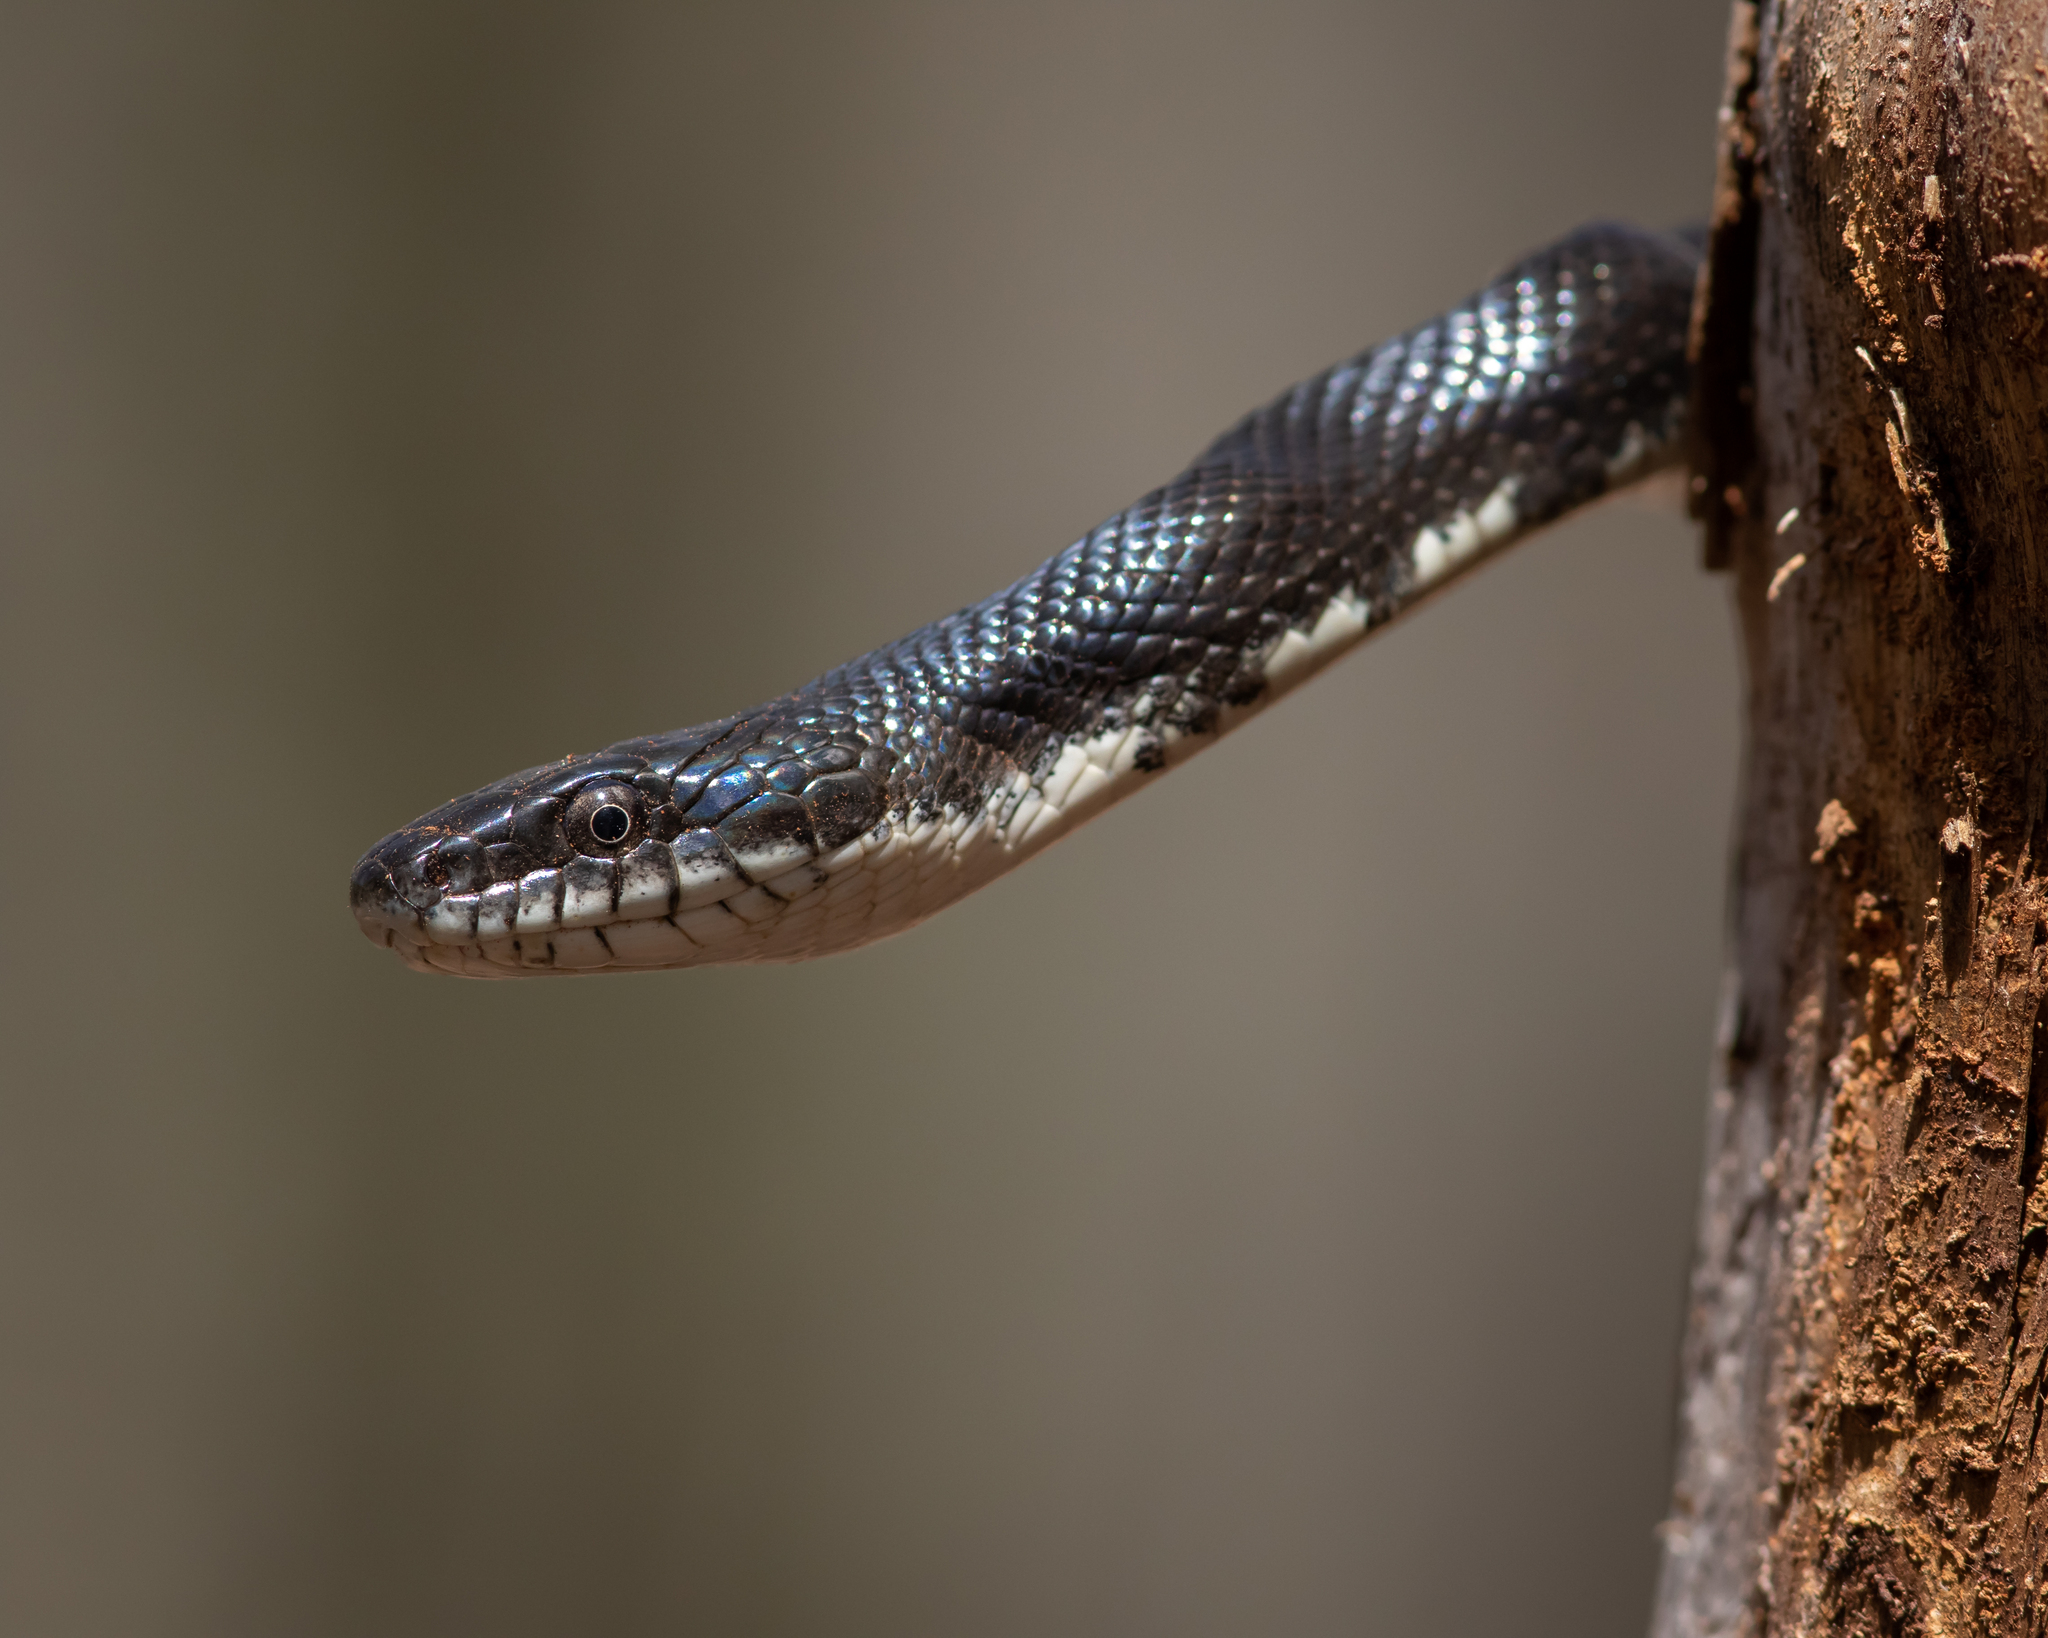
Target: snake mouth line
{"x":716,"y":934}
{"x":793,"y":912}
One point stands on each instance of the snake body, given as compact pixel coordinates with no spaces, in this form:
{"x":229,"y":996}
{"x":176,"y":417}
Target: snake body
{"x":888,"y":788}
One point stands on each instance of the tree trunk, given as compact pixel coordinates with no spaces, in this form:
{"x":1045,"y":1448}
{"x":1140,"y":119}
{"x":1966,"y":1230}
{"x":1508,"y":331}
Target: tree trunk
{"x":1861,"y":1401}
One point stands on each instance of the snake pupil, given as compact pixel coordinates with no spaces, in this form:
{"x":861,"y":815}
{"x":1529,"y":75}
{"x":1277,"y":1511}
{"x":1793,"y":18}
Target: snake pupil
{"x":610,"y":823}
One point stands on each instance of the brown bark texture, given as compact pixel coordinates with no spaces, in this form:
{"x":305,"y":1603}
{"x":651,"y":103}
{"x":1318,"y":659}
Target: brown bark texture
{"x":1862,"y":1394}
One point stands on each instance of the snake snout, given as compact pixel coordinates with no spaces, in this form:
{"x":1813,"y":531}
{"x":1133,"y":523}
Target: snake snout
{"x":389,"y":895}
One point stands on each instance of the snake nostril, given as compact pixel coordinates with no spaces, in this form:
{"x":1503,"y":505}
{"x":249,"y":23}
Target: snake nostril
{"x":456,"y":866}
{"x":413,"y":878}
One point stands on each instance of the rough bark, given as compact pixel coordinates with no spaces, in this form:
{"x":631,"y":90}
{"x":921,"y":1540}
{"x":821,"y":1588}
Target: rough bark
{"x":1861,"y":1448}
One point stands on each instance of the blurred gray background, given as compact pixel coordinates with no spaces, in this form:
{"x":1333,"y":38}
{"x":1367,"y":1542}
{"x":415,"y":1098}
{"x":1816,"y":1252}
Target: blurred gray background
{"x":1187,"y":1236}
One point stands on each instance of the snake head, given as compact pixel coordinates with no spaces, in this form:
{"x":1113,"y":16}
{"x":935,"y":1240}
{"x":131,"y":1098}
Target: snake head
{"x":676,"y":851}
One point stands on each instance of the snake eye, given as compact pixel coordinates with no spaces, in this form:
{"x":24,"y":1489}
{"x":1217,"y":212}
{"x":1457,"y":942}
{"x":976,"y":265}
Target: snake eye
{"x":603,"y":817}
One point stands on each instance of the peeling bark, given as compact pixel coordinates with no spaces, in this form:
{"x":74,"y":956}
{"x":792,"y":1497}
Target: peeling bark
{"x":1863,"y":1380}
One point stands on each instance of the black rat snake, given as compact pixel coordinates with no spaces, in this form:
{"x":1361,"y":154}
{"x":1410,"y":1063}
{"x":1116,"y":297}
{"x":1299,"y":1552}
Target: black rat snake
{"x":888,"y":788}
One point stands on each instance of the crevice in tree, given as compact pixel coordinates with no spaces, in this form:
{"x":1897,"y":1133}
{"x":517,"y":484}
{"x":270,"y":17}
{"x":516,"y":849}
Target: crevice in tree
{"x":1864,"y":1438}
{"x":1724,"y":395}
{"x":2037,"y":1085}
{"x":1957,"y":907}
{"x":2034,"y":1221}
{"x":1920,"y":1092}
